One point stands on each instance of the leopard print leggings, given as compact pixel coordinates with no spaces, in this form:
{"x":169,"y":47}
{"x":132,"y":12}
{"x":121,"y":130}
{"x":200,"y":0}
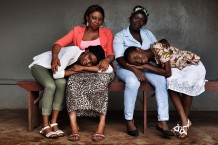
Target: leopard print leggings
{"x":87,"y":93}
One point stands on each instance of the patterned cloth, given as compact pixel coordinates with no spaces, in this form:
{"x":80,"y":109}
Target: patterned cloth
{"x":87,"y":93}
{"x":188,"y":72}
{"x":178,"y":59}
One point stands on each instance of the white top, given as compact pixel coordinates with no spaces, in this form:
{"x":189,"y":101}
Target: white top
{"x":67,"y":55}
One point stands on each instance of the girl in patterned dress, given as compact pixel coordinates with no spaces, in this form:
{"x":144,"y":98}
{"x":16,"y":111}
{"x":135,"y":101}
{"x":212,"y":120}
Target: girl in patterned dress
{"x":184,"y":71}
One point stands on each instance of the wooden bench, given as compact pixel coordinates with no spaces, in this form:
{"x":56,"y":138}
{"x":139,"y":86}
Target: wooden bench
{"x":34,"y":97}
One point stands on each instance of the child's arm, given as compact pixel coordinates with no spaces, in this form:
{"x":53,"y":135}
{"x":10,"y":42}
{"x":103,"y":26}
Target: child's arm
{"x":80,"y":68}
{"x":165,"y":70}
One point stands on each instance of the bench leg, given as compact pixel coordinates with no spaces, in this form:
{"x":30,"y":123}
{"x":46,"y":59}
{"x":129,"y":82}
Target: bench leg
{"x":145,"y":111}
{"x":33,"y":110}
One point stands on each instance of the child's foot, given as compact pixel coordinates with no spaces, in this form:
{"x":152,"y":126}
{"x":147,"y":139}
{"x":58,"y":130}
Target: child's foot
{"x":183,"y":133}
{"x":55,"y":128}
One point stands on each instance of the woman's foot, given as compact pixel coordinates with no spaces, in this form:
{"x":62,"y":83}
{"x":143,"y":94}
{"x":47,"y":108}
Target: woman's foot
{"x":99,"y":135}
{"x":74,"y":137}
{"x":183,"y":133}
{"x":131,"y":128}
{"x":164,"y":129}
{"x":55,"y":128}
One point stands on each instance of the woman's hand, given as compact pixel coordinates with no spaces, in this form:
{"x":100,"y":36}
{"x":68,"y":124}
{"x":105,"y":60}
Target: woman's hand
{"x":103,"y":65}
{"x":55,"y":62}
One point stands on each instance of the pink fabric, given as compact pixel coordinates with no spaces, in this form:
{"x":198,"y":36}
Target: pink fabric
{"x":76,"y":34}
{"x":86,"y":44}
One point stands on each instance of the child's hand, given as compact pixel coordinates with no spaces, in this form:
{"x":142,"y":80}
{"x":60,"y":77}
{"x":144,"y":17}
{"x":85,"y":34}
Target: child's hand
{"x":136,"y":66}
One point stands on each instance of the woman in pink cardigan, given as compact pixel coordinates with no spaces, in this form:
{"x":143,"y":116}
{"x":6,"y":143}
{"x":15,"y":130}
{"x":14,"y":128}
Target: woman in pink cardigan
{"x":87,"y":93}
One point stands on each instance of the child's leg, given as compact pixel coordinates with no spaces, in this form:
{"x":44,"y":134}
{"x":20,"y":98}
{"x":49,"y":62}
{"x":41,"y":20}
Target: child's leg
{"x":186,"y":103}
{"x":57,"y":104}
{"x":44,"y":77}
{"x":177,"y":102}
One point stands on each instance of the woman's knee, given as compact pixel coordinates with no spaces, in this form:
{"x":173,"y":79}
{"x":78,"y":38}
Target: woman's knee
{"x":132,"y":82}
{"x":158,"y":81}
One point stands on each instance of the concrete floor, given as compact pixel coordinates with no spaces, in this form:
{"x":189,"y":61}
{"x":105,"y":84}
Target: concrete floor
{"x":13,"y":130}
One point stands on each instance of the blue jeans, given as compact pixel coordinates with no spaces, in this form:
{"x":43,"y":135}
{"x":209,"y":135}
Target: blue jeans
{"x":131,"y":90}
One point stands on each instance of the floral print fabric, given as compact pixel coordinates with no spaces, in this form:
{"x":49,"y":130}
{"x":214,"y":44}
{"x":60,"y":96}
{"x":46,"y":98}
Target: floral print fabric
{"x":178,"y":59}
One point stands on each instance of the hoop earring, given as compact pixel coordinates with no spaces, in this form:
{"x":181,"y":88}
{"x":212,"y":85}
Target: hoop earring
{"x":87,"y":24}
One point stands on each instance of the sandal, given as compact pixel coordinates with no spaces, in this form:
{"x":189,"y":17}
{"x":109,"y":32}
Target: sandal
{"x":49,"y":134}
{"x":98,"y":137}
{"x":59,"y":132}
{"x":183,"y":132}
{"x":74,"y":137}
{"x":176,"y":129}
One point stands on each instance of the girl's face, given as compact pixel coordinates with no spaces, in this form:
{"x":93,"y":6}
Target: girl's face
{"x":87,"y":59}
{"x":138,"y":57}
{"x":137,"y":21}
{"x":95,"y":20}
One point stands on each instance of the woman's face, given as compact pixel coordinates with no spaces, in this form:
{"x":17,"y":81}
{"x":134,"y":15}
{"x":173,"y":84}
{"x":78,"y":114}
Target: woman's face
{"x":95,"y":20}
{"x":87,"y":59}
{"x":137,"y":21}
{"x":138,"y":57}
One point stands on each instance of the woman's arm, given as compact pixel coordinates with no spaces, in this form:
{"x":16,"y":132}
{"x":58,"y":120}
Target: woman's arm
{"x":165,"y":70}
{"x":55,"y":62}
{"x":108,"y":46}
{"x":64,"y":41}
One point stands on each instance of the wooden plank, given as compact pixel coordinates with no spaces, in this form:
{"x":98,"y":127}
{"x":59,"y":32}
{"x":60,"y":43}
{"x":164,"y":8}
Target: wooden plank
{"x":211,"y":86}
{"x":30,"y":85}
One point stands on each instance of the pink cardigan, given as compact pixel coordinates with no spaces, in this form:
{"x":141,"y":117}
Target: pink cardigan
{"x":76,"y":34}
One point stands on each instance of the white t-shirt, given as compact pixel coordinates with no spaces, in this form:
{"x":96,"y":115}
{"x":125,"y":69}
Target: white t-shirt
{"x":67,"y":55}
